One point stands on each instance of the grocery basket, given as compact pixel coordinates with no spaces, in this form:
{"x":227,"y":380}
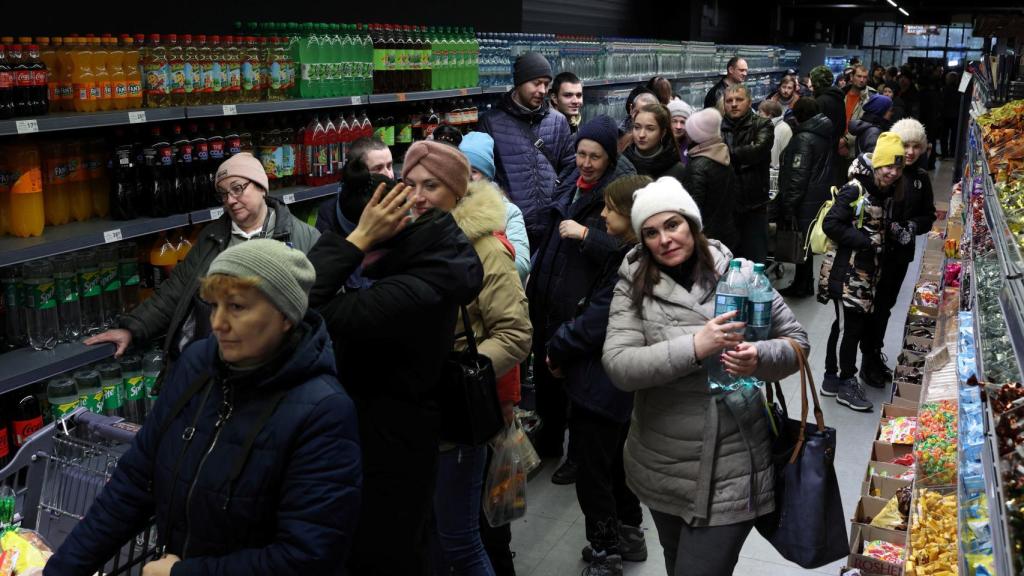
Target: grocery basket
{"x":59,"y":472}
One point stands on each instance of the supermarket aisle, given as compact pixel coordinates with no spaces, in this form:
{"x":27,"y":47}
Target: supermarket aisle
{"x":548,"y":541}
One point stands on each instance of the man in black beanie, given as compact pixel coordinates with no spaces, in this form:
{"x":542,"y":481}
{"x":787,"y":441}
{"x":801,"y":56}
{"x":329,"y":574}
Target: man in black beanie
{"x":533,"y":144}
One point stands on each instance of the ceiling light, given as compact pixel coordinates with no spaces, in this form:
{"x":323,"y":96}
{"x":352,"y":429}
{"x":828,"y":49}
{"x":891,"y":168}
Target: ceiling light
{"x":894,"y":5}
{"x":904,"y":12}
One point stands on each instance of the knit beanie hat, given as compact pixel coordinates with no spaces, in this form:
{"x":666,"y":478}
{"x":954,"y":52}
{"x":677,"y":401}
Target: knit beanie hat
{"x":665,"y":194}
{"x":821,"y":78}
{"x":285,"y":274}
{"x":603,"y":130}
{"x":479,"y":150}
{"x":679,"y":108}
{"x":530,"y":66}
{"x":888,"y":151}
{"x":444,"y":161}
{"x":878,"y":104}
{"x":910,"y":130}
{"x":704,"y":125}
{"x":246,"y":166}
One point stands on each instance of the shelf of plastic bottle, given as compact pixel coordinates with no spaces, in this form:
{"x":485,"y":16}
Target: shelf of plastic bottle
{"x":81,"y":120}
{"x":81,"y":235}
{"x":219,"y":110}
{"x":25,"y":366}
{"x":429,"y":95}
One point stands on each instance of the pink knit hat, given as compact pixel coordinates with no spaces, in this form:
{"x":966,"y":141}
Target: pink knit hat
{"x":446,"y":162}
{"x":244,"y":165}
{"x":704,"y":125}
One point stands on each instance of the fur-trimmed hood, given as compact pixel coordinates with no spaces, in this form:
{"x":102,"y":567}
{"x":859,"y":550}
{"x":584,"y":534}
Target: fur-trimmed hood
{"x":481,"y":212}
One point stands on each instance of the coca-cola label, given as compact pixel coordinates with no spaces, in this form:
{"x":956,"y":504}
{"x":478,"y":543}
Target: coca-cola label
{"x":6,"y":80}
{"x":234,"y":145}
{"x":39,"y":78}
{"x":186,"y":153}
{"x":25,"y":428}
{"x":23,"y":78}
{"x":5,"y":447}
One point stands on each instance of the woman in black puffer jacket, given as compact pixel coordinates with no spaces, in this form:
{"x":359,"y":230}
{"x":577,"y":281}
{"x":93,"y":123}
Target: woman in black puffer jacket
{"x":654,"y":151}
{"x":708,"y":177}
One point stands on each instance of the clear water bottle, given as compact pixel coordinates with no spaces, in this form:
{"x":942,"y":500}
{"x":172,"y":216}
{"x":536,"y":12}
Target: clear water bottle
{"x":152,"y":365}
{"x":69,"y":306}
{"x":113,"y":385}
{"x":110,"y":283}
{"x":90,"y":291}
{"x":40,"y":297}
{"x":134,"y":392}
{"x":731,"y":294}
{"x":90,"y":390}
{"x":759,"y":306}
{"x":15,"y":313}
{"x":62,"y":394}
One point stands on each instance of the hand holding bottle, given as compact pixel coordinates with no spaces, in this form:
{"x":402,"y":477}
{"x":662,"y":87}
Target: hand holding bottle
{"x":717,"y":334}
{"x":742,"y":360}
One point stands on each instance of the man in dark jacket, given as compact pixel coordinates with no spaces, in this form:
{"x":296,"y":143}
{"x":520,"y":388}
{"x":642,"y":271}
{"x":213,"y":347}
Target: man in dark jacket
{"x":735,"y":74}
{"x":950,"y":113}
{"x":874,"y":121}
{"x":391,"y":341}
{"x":533,"y":145}
{"x":250,"y":459}
{"x":367,"y":154}
{"x":750,"y":137}
{"x":831,"y":102}
{"x":805,"y":178}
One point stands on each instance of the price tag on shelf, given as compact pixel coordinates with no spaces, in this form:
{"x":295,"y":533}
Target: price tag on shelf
{"x":216,"y":213}
{"x":964,"y":81}
{"x":27,"y":126}
{"x":230,"y":110}
{"x":463,"y":91}
{"x":112,"y":236}
{"x":401,"y":96}
{"x":138,"y":117}
{"x":288,"y":198}
{"x":357,"y":100}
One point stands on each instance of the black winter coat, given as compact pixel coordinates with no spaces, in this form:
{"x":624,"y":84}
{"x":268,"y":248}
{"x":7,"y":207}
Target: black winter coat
{"x":866,"y":129}
{"x":805,"y":174}
{"x":715,"y":94}
{"x":391,"y":341}
{"x":916,"y":204}
{"x":665,"y":163}
{"x":291,"y":511}
{"x":711,"y":185}
{"x":832,"y":103}
{"x":750,"y":141}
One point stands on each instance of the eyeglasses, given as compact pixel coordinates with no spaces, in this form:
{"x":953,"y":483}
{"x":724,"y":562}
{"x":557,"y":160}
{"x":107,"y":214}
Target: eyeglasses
{"x":234,"y":191}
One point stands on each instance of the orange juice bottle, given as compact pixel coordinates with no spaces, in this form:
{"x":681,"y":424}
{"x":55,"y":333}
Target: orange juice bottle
{"x":133,"y":79}
{"x":99,"y":181}
{"x":78,"y":181}
{"x":104,"y":87}
{"x":82,"y":77}
{"x":182,"y":244}
{"x":48,"y":54}
{"x":67,"y":69}
{"x":5,"y":192}
{"x":26,"y":191}
{"x":55,"y":180}
{"x":115,"y":67}
{"x":163,"y":257}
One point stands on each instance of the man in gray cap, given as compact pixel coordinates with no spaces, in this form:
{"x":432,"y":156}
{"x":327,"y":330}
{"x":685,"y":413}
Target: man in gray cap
{"x":533,"y":145}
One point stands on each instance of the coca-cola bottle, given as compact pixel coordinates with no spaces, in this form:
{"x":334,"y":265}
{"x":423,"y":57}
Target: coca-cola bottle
{"x":40,"y":97}
{"x":23,"y":92}
{"x":26,"y":419}
{"x":184,"y":176}
{"x":6,"y":89}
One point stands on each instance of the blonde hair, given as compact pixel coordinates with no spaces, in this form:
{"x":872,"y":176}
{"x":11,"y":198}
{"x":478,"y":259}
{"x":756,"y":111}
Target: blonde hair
{"x":220,"y":284}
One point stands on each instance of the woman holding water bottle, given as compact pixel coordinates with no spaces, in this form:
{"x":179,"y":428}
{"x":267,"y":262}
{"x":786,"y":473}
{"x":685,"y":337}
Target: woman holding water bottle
{"x":699,"y":459}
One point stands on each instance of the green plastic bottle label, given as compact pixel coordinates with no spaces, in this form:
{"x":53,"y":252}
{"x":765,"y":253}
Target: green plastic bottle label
{"x":62,"y":410}
{"x":135,"y":388}
{"x":111,"y":397}
{"x":42,"y":296}
{"x":148,"y":382}
{"x":109,"y":279}
{"x":92,"y":402}
{"x":89,"y":284}
{"x":404,"y":134}
{"x":128,"y":273}
{"x":380,"y":61}
{"x":67,"y":290}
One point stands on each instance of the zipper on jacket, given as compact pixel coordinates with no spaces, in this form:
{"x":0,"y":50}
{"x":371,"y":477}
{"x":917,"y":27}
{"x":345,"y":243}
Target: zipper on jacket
{"x":224,"y":412}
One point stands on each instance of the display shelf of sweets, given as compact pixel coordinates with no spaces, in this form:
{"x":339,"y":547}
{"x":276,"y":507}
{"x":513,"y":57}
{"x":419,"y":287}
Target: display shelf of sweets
{"x":932,"y":543}
{"x":60,"y":122}
{"x":1003,"y":471}
{"x":24,"y":366}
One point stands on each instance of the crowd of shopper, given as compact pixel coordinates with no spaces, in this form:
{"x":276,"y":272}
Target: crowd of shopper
{"x":299,"y":429}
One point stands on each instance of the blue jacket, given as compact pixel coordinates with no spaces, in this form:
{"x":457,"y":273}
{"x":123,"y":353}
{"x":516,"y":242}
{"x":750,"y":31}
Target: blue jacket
{"x":515,"y":231}
{"x":522,"y":170}
{"x":292,"y":510}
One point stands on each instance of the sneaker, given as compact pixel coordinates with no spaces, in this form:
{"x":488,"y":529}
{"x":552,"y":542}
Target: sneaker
{"x":851,"y":395}
{"x":830,"y":384}
{"x":566,"y":473}
{"x":604,"y":564}
{"x":632,"y":545}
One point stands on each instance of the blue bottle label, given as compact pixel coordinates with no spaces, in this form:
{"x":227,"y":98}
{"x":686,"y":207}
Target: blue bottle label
{"x":729,"y":302}
{"x":759,"y":313}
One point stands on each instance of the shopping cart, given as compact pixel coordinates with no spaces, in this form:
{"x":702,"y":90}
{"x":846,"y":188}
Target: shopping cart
{"x":59,"y":472}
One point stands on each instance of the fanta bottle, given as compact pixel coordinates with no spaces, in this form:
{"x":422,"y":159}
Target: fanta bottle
{"x":78,"y":181}
{"x":57,"y":199}
{"x":27,"y":214}
{"x":132,"y":76}
{"x":118,"y":78}
{"x":104,"y":87}
{"x":48,"y":54}
{"x":96,"y":170}
{"x":182,"y":245}
{"x":67,"y":70}
{"x":156,"y":67}
{"x":82,"y":77}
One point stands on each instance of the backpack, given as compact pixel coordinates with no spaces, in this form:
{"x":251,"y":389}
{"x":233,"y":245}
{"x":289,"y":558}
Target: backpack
{"x":817,"y":240}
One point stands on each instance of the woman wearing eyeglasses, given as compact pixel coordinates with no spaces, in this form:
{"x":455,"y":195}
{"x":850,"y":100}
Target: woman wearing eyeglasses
{"x":175,"y":310}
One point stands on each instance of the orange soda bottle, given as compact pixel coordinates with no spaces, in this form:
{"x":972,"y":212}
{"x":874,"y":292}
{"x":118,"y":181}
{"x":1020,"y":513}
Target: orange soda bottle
{"x":115,"y":68}
{"x":48,"y":54}
{"x":82,"y":77}
{"x":104,"y":87}
{"x":132,"y":76}
{"x":5,"y":192}
{"x":27,"y":214}
{"x":99,"y":182}
{"x":78,"y":181}
{"x":55,"y":179}
{"x":67,"y":69}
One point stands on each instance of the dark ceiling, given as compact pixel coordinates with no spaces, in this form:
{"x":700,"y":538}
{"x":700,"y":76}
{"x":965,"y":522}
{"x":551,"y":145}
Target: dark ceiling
{"x":921,"y":12}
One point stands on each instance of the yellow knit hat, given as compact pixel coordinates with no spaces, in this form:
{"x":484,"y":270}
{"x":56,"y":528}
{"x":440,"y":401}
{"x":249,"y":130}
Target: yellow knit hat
{"x":888,"y":151}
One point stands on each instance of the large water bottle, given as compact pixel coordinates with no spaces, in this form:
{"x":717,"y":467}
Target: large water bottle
{"x":731,"y":294}
{"x":112,"y":381}
{"x":69,"y":308}
{"x":40,"y":294}
{"x":759,"y":306}
{"x":62,"y":394}
{"x":90,"y":390}
{"x":134,"y":391}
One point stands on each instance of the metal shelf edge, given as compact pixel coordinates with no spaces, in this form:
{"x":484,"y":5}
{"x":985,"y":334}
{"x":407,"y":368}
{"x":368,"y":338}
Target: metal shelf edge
{"x":295,"y":194}
{"x":25,"y":366}
{"x":425,"y":95}
{"x":76,"y":121}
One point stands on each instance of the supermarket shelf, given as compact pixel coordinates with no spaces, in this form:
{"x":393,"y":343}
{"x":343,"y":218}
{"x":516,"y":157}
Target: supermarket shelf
{"x":25,"y":366}
{"x":996,"y":496}
{"x":80,"y":120}
{"x":428,"y":95}
{"x":218,"y":110}
{"x":633,"y":80}
{"x":501,"y":89}
{"x":80,"y":235}
{"x":295,"y":194}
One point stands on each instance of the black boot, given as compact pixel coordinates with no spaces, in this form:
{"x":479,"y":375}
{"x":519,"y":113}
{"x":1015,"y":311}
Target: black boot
{"x":566,"y":473}
{"x":873,"y":371}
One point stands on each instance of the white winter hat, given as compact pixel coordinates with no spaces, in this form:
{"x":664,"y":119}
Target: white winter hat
{"x":910,"y":130}
{"x":665,"y":194}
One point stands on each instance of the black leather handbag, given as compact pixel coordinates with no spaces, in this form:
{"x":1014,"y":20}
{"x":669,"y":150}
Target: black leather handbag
{"x":808,"y":526}
{"x":790,"y":245}
{"x":468,"y":395}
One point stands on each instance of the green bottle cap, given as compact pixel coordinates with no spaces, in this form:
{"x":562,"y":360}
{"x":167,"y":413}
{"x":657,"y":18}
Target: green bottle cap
{"x":758,"y":268}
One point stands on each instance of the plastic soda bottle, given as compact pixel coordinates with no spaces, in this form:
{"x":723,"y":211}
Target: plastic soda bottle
{"x":176,"y":70}
{"x":250,"y":71}
{"x":67,"y":74}
{"x":112,"y":382}
{"x":79,"y":193}
{"x":104,"y":86}
{"x":40,"y":295}
{"x":15,"y":312}
{"x":157,"y":71}
{"x":152,"y":365}
{"x":193,"y":72}
{"x":62,"y":394}
{"x":118,"y":77}
{"x":218,"y":71}
{"x":205,"y":64}
{"x":69,"y":307}
{"x":731,"y":294}
{"x":134,"y":391}
{"x":27,"y":214}
{"x":57,"y":202}
{"x":90,"y":390}
{"x":110,"y":283}
{"x":48,"y":55}
{"x":90,"y":291}
{"x":99,"y":181}
{"x":234,"y":64}
{"x":133,"y":79}
{"x":128,"y":274}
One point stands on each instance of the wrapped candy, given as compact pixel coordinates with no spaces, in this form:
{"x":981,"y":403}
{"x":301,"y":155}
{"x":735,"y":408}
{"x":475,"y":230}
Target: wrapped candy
{"x":884,"y":551}
{"x":933,"y":546}
{"x":936,"y":447}
{"x":952,"y":275}
{"x":899,"y":430}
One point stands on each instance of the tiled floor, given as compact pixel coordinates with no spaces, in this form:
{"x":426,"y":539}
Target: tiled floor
{"x":549,"y":539}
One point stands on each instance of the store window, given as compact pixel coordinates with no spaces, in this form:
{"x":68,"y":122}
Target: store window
{"x":885,"y":36}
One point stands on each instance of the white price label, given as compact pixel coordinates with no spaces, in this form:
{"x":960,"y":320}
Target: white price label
{"x":288,"y":198}
{"x":230,"y":110}
{"x":112,"y":236}
{"x":216,"y":213}
{"x":138,"y":117}
{"x":357,"y":100}
{"x":964,"y":81}
{"x":27,"y":126}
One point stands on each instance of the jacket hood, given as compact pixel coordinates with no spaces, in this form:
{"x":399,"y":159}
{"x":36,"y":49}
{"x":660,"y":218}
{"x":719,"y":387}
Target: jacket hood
{"x":436,"y":251}
{"x":515,"y":110}
{"x":858,"y":126}
{"x":868,"y":120}
{"x":714,"y":149}
{"x":818,"y":124}
{"x":481,"y":212}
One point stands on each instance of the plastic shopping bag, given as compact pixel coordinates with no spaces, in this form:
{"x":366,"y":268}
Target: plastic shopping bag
{"x":505,"y":489}
{"x":527,"y":454}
